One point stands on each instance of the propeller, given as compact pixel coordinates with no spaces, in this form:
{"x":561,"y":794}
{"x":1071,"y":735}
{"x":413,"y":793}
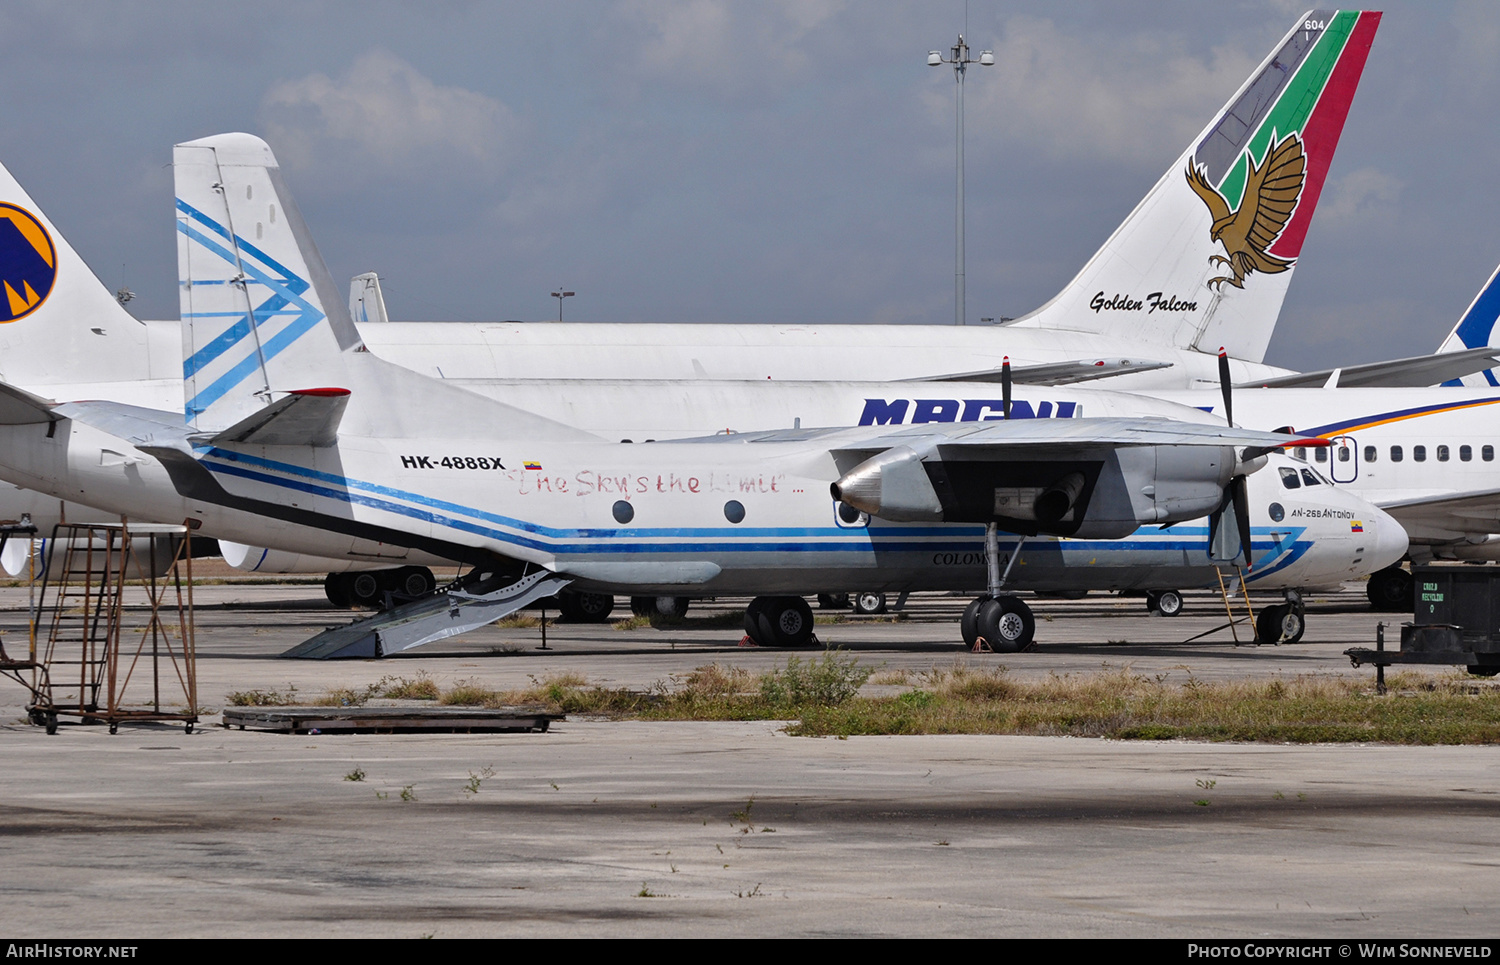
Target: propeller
{"x":1236,"y":494}
{"x":1005,"y":384}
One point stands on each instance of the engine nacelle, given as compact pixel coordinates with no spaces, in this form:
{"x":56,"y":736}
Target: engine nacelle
{"x":1099,"y":492}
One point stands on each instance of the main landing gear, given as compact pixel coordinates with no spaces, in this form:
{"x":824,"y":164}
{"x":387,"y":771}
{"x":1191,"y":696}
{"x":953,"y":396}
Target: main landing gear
{"x":1390,"y":590}
{"x":368,"y":589}
{"x":779,"y":621}
{"x":996,"y":621}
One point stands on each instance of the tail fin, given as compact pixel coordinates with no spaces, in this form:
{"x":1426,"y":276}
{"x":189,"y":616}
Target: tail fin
{"x":1206,"y":258}
{"x":366,"y":301}
{"x":58,"y":323}
{"x":270,"y":355}
{"x":252,"y":285}
{"x":1476,"y":328}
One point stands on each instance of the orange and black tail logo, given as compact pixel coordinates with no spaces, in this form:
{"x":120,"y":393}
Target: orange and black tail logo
{"x":28,"y":263}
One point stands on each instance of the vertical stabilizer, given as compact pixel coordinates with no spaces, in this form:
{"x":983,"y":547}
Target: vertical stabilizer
{"x":1206,"y":258}
{"x":366,"y":300}
{"x":1475,"y":329}
{"x":252,"y":285}
{"x":58,"y":323}
{"x":268,"y":347}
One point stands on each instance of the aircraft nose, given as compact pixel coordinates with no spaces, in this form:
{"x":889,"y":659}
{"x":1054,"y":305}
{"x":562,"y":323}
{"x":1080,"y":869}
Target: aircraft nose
{"x":1390,"y":541}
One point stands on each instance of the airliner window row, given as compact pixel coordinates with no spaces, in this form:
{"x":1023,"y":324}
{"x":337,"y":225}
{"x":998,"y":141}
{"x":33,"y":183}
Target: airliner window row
{"x":1418,"y":454}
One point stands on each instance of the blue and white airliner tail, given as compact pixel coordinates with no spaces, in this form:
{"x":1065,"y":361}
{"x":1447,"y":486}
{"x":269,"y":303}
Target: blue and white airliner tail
{"x":1477,"y":328}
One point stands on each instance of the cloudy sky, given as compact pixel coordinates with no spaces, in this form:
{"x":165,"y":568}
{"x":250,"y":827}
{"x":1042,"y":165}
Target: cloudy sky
{"x":729,"y":160}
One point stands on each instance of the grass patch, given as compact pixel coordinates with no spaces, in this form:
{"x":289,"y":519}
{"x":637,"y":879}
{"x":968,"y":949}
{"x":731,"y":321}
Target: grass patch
{"x":422,"y":688}
{"x":821,"y":696}
{"x":262,"y":698}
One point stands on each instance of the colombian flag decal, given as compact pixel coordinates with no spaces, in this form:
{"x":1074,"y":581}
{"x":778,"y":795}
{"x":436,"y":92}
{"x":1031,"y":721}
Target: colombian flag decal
{"x":1356,"y":526}
{"x":528,"y":464}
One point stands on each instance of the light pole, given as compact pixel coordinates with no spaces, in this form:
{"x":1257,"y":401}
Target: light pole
{"x":560,"y":295}
{"x":960,"y":60}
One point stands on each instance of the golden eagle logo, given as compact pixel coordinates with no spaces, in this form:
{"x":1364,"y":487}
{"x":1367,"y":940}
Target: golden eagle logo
{"x":1271,"y":194}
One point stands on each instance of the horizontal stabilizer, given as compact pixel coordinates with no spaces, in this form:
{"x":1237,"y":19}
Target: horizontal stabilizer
{"x":436,"y":617}
{"x":1413,"y":372}
{"x":20,"y":408}
{"x":1055,"y":373}
{"x":309,"y":417}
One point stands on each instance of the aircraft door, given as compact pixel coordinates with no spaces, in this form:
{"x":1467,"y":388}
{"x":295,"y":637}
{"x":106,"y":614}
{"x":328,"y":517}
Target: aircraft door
{"x":1343,"y":459}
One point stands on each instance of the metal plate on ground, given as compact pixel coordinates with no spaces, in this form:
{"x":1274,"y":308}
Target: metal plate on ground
{"x":388,"y":720}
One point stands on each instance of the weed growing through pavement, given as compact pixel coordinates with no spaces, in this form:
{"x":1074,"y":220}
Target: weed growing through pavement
{"x":358,"y":774}
{"x":472,"y":787}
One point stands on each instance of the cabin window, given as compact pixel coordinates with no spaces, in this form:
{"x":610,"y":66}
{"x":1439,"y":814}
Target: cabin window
{"x":1344,"y":452}
{"x":1289,"y":479}
{"x":1309,"y":477}
{"x":1418,"y":453}
{"x":1300,"y":453}
{"x":1465,"y":453}
{"x":1395,"y":453}
{"x":1321,"y":455}
{"x":1442,"y":453}
{"x":1487,"y":454}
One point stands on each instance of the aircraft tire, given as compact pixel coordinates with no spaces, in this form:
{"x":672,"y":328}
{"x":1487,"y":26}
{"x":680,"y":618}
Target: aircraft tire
{"x":413,"y":582}
{"x":670,"y":607}
{"x":1270,"y":625}
{"x":1007,"y":624}
{"x":643,"y":606}
{"x":752,"y":622}
{"x":968,"y":624}
{"x":1167,"y":603}
{"x":1294,"y":624}
{"x":833,"y":601}
{"x":363,"y":589}
{"x":869,"y":603}
{"x":583,"y":607}
{"x":1391,"y":590}
{"x":782,"y":621}
{"x":337,"y":593}
{"x":1477,"y":670}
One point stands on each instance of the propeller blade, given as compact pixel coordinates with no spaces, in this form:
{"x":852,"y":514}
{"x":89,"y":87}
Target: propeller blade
{"x":1224,"y":386}
{"x":1229,"y":525}
{"x":1005,"y":383}
{"x":1242,"y":516}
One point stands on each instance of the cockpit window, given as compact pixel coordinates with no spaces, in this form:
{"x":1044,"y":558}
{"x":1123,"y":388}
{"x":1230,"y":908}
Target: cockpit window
{"x":1311,"y":478}
{"x":1289,"y":479}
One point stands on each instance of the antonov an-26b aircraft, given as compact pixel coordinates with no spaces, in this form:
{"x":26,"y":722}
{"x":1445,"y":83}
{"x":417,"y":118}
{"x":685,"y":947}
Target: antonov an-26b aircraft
{"x":294,"y":428}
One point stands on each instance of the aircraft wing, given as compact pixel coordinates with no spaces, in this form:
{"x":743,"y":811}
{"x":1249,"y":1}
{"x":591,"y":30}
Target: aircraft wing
{"x":1448,"y":517}
{"x":1054,"y":373}
{"x":1413,"y":372}
{"x":1094,"y":477}
{"x":1016,"y":434}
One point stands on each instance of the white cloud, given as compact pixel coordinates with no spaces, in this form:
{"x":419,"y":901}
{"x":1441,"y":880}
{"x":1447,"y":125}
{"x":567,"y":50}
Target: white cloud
{"x":723,"y":45}
{"x":1130,"y":98}
{"x":383,"y":116}
{"x":1358,"y":196}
